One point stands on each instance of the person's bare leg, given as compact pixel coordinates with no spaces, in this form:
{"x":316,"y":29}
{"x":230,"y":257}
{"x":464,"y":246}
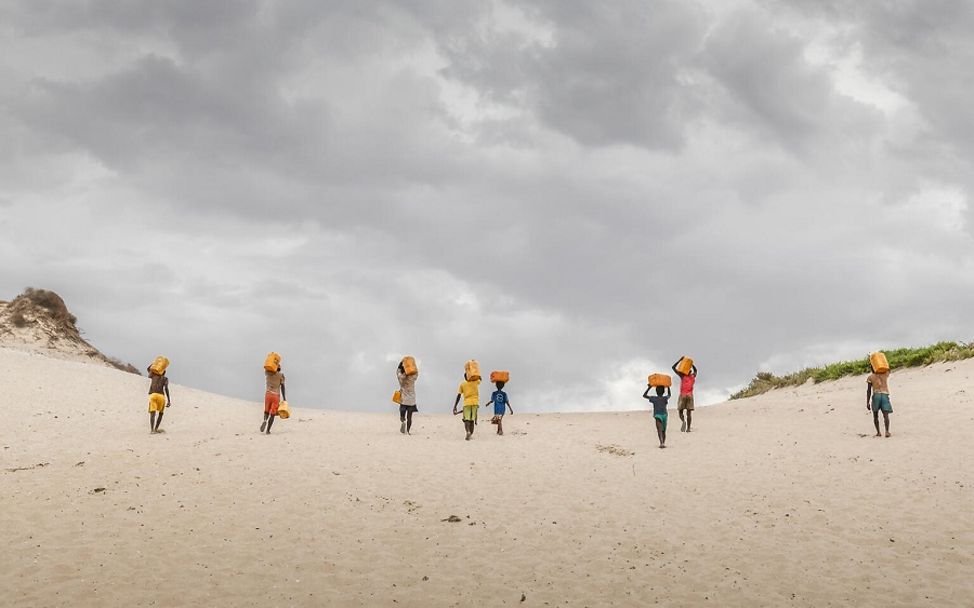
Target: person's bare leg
{"x":159,"y":421}
{"x":689,"y":419}
{"x":683,"y":422}
{"x":409,"y":421}
{"x":466,"y":425}
{"x":263,"y":424}
{"x":152,"y":422}
{"x":876,"y":422}
{"x":659,"y":432}
{"x":886,"y":422}
{"x":500,"y":426}
{"x":270,"y":422}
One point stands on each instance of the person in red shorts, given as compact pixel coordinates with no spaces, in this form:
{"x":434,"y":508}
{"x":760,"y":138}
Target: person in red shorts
{"x":685,"y":403}
{"x":272,"y":398}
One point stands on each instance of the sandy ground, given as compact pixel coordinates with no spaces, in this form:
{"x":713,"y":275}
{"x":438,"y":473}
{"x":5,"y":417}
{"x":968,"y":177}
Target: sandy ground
{"x":781,"y":500}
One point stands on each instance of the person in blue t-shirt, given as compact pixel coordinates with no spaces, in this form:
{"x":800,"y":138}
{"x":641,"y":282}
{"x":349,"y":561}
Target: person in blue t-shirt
{"x":501,"y":404}
{"x":659,"y":401}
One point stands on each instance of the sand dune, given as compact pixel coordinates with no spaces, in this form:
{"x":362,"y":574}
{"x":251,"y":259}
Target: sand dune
{"x":781,"y":500}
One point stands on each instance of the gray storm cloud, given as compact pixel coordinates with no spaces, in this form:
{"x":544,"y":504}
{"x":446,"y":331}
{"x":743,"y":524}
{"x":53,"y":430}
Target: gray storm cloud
{"x":577,"y":192}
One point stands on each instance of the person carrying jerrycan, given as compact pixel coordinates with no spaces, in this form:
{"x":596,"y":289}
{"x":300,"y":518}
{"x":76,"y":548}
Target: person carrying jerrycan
{"x":274,"y":392}
{"x":159,"y":398}
{"x":686,"y":369}
{"x":469,"y":391}
{"x":501,"y":401}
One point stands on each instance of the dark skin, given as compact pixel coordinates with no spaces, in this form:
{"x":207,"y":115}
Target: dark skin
{"x":869,"y":398}
{"x":269,"y":418}
{"x":500,"y":421}
{"x":407,"y":416}
{"x":154,"y":422}
{"x":693,"y":372}
{"x":660,"y":391}
{"x":469,"y":425}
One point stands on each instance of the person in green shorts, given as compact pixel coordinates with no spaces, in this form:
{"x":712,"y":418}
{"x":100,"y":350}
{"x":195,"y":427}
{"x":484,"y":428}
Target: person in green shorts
{"x":659,"y":401}
{"x":877,"y":399}
{"x":469,"y":391}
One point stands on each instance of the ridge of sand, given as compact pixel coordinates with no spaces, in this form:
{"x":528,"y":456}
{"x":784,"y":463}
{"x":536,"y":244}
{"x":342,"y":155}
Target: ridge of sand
{"x":39,"y":321}
{"x":782,"y":499}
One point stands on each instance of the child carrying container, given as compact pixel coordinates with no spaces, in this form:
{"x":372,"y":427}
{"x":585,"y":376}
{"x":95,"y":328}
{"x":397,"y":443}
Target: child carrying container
{"x":274,"y":392}
{"x":687,"y":371}
{"x":659,"y":401}
{"x":159,"y":398}
{"x":407,"y":373}
{"x":501,"y":401}
{"x":469,"y":391}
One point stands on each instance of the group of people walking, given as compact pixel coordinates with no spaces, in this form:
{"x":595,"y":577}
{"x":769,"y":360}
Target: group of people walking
{"x":469,"y":391}
{"x":407,"y":373}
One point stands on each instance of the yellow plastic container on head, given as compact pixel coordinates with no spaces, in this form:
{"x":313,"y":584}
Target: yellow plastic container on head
{"x":397,"y":397}
{"x":660,"y":380}
{"x":272,"y":362}
{"x":159,"y":366}
{"x":472,"y":370}
{"x":283,"y":410}
{"x":879,"y":363}
{"x":409,"y":366}
{"x":500,"y":376}
{"x":685,"y":365}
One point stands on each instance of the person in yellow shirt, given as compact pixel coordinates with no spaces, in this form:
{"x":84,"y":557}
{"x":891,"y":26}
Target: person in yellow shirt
{"x":470,"y":392}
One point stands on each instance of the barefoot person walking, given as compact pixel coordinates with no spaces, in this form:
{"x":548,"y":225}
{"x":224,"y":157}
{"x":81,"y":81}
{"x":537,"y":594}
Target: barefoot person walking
{"x":159,"y":398}
{"x":688,"y":377}
{"x":469,"y":391}
{"x":407,"y":372}
{"x":659,"y":401}
{"x":877,"y":398}
{"x":274,"y":392}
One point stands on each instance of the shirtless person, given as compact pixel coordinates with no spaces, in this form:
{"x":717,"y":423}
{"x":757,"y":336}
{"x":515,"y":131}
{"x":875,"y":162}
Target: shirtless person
{"x":877,"y":398}
{"x":159,"y":398}
{"x":272,"y":398}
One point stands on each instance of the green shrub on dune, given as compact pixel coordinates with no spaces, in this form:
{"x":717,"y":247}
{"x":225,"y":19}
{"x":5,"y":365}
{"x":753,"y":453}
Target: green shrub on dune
{"x":898,"y":358}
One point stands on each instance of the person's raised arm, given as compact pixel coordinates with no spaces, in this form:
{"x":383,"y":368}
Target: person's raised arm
{"x":668,"y":393}
{"x":649,"y":387}
{"x":674,"y":367}
{"x":693,"y":368}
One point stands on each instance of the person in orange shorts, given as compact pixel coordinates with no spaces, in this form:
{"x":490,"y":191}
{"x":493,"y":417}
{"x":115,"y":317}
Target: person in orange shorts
{"x":159,"y":398}
{"x":272,"y":398}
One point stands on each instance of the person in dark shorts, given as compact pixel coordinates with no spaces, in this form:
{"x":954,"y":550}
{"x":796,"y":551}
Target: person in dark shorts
{"x":159,"y":398}
{"x":272,"y":397}
{"x":502,"y":403}
{"x":407,"y":398}
{"x":877,"y":399}
{"x":659,"y":401}
{"x":685,"y":402}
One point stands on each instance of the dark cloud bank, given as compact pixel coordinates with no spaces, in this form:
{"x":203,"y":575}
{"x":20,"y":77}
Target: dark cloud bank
{"x":579,"y":192}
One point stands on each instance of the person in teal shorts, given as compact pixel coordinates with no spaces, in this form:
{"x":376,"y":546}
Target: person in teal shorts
{"x":659,"y":401}
{"x":877,"y":399}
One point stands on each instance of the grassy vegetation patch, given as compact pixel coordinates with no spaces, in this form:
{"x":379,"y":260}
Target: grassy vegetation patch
{"x":898,"y":358}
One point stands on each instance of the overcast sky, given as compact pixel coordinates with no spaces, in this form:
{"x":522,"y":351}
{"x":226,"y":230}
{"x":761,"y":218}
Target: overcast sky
{"x":577,"y":191}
